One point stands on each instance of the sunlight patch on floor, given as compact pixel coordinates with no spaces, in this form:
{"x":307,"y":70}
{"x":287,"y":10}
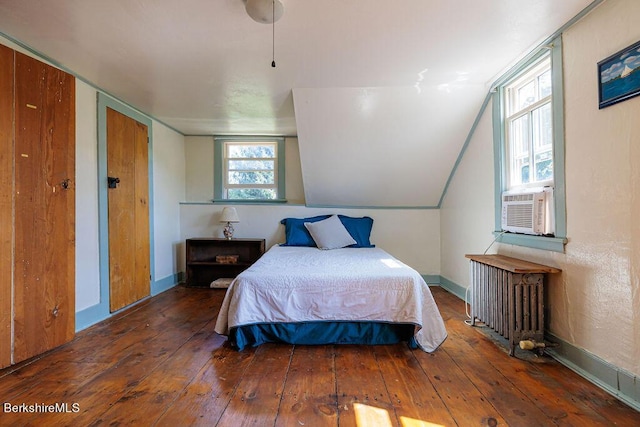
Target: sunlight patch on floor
{"x":412,"y":422}
{"x":369,"y":416}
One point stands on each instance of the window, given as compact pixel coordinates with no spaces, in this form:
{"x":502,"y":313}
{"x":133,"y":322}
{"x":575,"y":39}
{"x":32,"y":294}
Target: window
{"x":529,"y":127}
{"x":528,"y":123}
{"x":249,"y":169}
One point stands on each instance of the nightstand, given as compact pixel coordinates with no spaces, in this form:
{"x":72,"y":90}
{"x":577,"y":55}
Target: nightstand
{"x":202,"y":266}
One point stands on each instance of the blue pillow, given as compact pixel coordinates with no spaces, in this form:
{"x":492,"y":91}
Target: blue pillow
{"x":296,"y":234}
{"x":360,"y":230}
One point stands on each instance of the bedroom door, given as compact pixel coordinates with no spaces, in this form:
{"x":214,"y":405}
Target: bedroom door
{"x":128,"y":194}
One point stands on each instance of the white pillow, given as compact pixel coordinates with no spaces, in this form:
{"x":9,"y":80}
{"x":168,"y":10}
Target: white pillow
{"x":330,"y":233}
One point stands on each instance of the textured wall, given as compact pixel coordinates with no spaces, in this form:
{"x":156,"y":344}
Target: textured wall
{"x":594,"y":302}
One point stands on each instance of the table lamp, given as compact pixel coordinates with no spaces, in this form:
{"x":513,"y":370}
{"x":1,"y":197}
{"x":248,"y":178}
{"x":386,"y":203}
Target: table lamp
{"x":229,"y":215}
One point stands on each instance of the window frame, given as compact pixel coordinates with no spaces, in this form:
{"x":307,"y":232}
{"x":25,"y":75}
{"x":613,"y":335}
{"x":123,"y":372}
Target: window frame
{"x":511,"y":115}
{"x":557,"y":242}
{"x":220,"y":186}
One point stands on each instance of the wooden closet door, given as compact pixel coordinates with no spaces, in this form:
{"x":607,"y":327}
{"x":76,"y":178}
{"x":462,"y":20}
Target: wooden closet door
{"x":129,"y":241}
{"x":44,"y":269}
{"x":6,"y":202}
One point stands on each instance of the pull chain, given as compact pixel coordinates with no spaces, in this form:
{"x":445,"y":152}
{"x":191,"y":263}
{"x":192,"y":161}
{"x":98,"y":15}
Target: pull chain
{"x":273,"y":33}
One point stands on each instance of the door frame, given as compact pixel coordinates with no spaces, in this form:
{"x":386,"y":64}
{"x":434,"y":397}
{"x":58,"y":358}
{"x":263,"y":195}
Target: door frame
{"x":104,"y":102}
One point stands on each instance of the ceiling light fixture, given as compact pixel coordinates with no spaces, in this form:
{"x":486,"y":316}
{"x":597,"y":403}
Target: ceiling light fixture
{"x":266,"y":12}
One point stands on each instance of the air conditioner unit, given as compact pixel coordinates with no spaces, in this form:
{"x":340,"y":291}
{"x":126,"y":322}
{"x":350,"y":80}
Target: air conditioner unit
{"x":528,"y":212}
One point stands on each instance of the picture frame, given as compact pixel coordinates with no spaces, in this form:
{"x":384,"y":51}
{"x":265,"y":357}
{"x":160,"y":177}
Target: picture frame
{"x":619,"y":76}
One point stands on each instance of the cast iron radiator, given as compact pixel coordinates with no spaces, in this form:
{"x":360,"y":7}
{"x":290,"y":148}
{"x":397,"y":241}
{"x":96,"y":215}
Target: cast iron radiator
{"x":507,"y":295}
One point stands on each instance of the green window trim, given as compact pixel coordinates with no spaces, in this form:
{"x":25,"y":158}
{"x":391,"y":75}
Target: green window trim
{"x":556,"y":243}
{"x":218,"y":168}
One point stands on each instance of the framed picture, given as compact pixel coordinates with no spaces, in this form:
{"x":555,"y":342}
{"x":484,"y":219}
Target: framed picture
{"x":619,"y":76}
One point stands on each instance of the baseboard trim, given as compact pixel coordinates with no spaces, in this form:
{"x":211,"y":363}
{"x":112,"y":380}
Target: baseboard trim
{"x":431,"y":279}
{"x":99,"y":312}
{"x":159,"y":286}
{"x":454,"y":288}
{"x":610,"y":378}
{"x":91,"y":315}
{"x":616,"y":381}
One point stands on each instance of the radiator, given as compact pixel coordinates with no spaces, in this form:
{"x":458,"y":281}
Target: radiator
{"x":509,"y":302}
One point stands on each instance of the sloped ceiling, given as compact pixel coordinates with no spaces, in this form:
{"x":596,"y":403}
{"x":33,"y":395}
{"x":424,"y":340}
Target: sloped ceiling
{"x":381,"y":146}
{"x":380,"y":94}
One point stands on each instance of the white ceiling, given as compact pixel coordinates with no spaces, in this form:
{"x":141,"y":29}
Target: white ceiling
{"x":204,"y":68}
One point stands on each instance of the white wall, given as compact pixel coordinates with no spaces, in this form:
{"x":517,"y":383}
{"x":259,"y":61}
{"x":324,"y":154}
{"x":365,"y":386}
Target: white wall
{"x":594,"y":303}
{"x":386,"y":146}
{"x":412,"y":236}
{"x":199,"y":175}
{"x":467,"y":218}
{"x":168,"y":192}
{"x":87,"y":243}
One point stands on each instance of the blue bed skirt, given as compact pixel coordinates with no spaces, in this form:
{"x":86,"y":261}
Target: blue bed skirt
{"x":317,"y":333}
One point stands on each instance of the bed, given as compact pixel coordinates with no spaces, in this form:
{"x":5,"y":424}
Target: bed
{"x":357,"y":294}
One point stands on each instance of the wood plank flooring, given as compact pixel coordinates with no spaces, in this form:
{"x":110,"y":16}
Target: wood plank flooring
{"x":160,"y":363}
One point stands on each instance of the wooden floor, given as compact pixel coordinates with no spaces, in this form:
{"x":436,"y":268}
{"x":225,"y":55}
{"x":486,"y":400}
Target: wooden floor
{"x":161,"y":363}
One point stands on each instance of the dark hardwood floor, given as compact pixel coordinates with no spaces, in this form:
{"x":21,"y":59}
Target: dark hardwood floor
{"x":161,"y":363}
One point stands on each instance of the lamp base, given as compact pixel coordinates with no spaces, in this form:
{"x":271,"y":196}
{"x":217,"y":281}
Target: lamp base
{"x":228,"y":231}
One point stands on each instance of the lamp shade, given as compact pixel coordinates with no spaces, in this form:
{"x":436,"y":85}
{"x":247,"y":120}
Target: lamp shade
{"x":264,"y":11}
{"x":229,"y":215}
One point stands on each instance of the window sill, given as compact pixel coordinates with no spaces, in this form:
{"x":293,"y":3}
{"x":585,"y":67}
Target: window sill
{"x":555,"y":244}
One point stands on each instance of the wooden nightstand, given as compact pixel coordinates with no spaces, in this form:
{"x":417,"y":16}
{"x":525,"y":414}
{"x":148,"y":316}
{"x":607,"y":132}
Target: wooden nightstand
{"x":202,"y":267}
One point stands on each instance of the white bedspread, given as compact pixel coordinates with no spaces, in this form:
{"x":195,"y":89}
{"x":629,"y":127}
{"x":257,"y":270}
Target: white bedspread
{"x":295,"y":284}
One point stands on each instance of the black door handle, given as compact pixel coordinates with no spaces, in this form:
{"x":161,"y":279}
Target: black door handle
{"x":113,"y":182}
